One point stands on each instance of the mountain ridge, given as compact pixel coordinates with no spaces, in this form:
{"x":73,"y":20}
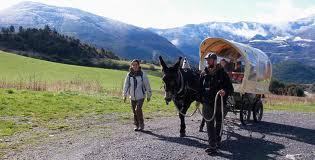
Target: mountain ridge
{"x":126,"y":40}
{"x":295,"y":41}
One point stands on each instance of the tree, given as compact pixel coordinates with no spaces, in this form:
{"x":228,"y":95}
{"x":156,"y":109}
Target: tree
{"x":21,"y":29}
{"x":48,"y":44}
{"x":4,"y":30}
{"x":312,"y":88}
{"x":47,"y":29}
{"x":12,"y":29}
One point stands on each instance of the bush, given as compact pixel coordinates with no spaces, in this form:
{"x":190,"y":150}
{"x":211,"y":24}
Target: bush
{"x":10,"y":91}
{"x":312,"y":88}
{"x":279,"y":88}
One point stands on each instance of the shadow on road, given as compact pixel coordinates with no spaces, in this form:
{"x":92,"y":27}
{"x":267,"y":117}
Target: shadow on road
{"x":238,"y":146}
{"x":188,"y":141}
{"x":245,"y":147}
{"x":303,"y":135}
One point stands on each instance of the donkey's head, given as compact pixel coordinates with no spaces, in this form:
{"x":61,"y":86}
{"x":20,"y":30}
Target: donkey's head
{"x":170,"y":78}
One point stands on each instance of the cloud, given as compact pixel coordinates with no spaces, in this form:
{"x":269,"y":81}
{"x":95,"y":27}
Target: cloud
{"x":174,"y":13}
{"x":282,"y":11}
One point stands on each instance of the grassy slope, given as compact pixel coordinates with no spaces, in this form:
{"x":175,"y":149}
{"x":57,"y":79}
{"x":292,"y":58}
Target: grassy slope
{"x":41,"y":108}
{"x":45,"y":106}
{"x":14,"y":68}
{"x":26,"y":111}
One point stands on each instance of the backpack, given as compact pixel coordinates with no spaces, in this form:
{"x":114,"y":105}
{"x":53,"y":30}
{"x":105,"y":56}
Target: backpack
{"x":135,"y":80}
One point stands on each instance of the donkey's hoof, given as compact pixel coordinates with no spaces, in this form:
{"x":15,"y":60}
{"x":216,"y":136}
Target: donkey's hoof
{"x":182,"y":135}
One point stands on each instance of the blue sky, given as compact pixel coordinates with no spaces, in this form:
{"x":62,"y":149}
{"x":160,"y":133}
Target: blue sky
{"x":173,"y":13}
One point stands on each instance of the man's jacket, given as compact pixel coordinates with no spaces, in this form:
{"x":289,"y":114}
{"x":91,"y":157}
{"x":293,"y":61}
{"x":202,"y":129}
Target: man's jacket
{"x":213,"y":81}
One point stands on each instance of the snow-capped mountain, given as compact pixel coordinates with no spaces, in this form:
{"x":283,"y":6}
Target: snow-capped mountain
{"x":291,"y":41}
{"x":123,"y":39}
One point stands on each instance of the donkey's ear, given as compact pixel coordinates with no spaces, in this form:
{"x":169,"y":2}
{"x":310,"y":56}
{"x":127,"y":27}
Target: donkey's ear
{"x":177,"y":64}
{"x":163,"y":64}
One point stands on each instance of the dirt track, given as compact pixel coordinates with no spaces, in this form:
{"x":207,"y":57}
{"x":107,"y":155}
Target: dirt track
{"x":281,"y":135}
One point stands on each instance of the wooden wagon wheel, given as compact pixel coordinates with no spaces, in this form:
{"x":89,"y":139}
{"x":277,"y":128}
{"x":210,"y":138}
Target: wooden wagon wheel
{"x":245,"y":110}
{"x":258,"y":111}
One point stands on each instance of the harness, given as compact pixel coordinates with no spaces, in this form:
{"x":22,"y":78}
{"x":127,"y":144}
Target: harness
{"x":183,"y":89}
{"x":180,"y":79}
{"x":184,"y":86}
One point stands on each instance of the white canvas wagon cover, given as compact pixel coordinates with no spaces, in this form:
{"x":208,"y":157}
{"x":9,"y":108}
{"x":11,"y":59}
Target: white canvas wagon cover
{"x":257,"y":65}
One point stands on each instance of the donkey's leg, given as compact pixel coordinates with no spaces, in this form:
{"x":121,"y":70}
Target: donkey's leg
{"x":182,"y":125}
{"x":182,"y":120}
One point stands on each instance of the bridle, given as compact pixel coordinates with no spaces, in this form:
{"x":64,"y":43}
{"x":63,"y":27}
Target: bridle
{"x":182,"y":86}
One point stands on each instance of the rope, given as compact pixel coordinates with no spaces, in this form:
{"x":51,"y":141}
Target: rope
{"x":214,"y":111}
{"x":180,"y":112}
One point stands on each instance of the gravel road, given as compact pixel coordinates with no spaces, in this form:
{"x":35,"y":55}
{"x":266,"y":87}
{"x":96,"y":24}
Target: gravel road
{"x":281,"y":135}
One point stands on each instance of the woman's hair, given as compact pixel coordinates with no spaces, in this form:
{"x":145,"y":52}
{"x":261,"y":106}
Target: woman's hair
{"x":135,"y":60}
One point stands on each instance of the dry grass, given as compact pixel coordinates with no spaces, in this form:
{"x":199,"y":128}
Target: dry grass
{"x":32,"y":83}
{"x":272,"y":99}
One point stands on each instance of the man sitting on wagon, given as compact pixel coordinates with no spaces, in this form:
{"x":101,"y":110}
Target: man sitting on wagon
{"x":238,"y":67}
{"x":238,"y":73}
{"x":224,"y":65}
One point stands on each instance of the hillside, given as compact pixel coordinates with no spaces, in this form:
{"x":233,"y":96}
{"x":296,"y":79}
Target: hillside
{"x":294,"y":72}
{"x":18,"y":68}
{"x":125,"y":40}
{"x":49,"y":45}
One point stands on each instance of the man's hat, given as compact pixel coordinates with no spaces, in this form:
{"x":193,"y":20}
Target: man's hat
{"x":211,"y":56}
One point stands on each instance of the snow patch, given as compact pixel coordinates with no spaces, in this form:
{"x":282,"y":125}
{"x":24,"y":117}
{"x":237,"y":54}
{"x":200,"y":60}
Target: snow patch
{"x":282,"y":46}
{"x":297,"y":39}
{"x":159,"y":32}
{"x":70,"y":16}
{"x":266,"y":41}
{"x":241,"y":30}
{"x":278,"y":38}
{"x":249,"y":33}
{"x":175,"y":42}
{"x":303,"y":45}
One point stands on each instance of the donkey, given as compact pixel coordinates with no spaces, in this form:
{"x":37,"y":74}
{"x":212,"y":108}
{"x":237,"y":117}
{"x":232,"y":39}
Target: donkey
{"x":181,"y":86}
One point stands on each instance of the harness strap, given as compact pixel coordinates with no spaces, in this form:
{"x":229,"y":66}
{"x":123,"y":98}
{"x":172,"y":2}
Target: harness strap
{"x":181,"y":81}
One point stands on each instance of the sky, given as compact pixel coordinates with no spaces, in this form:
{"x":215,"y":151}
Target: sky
{"x":175,"y":13}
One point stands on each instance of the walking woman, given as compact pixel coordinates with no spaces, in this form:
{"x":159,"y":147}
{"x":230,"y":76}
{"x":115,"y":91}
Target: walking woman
{"x":137,"y":87}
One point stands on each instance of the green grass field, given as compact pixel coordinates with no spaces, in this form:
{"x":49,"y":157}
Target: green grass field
{"x":17,"y":107}
{"x":22,"y":111}
{"x":40,"y":107}
{"x":15,"y":68}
